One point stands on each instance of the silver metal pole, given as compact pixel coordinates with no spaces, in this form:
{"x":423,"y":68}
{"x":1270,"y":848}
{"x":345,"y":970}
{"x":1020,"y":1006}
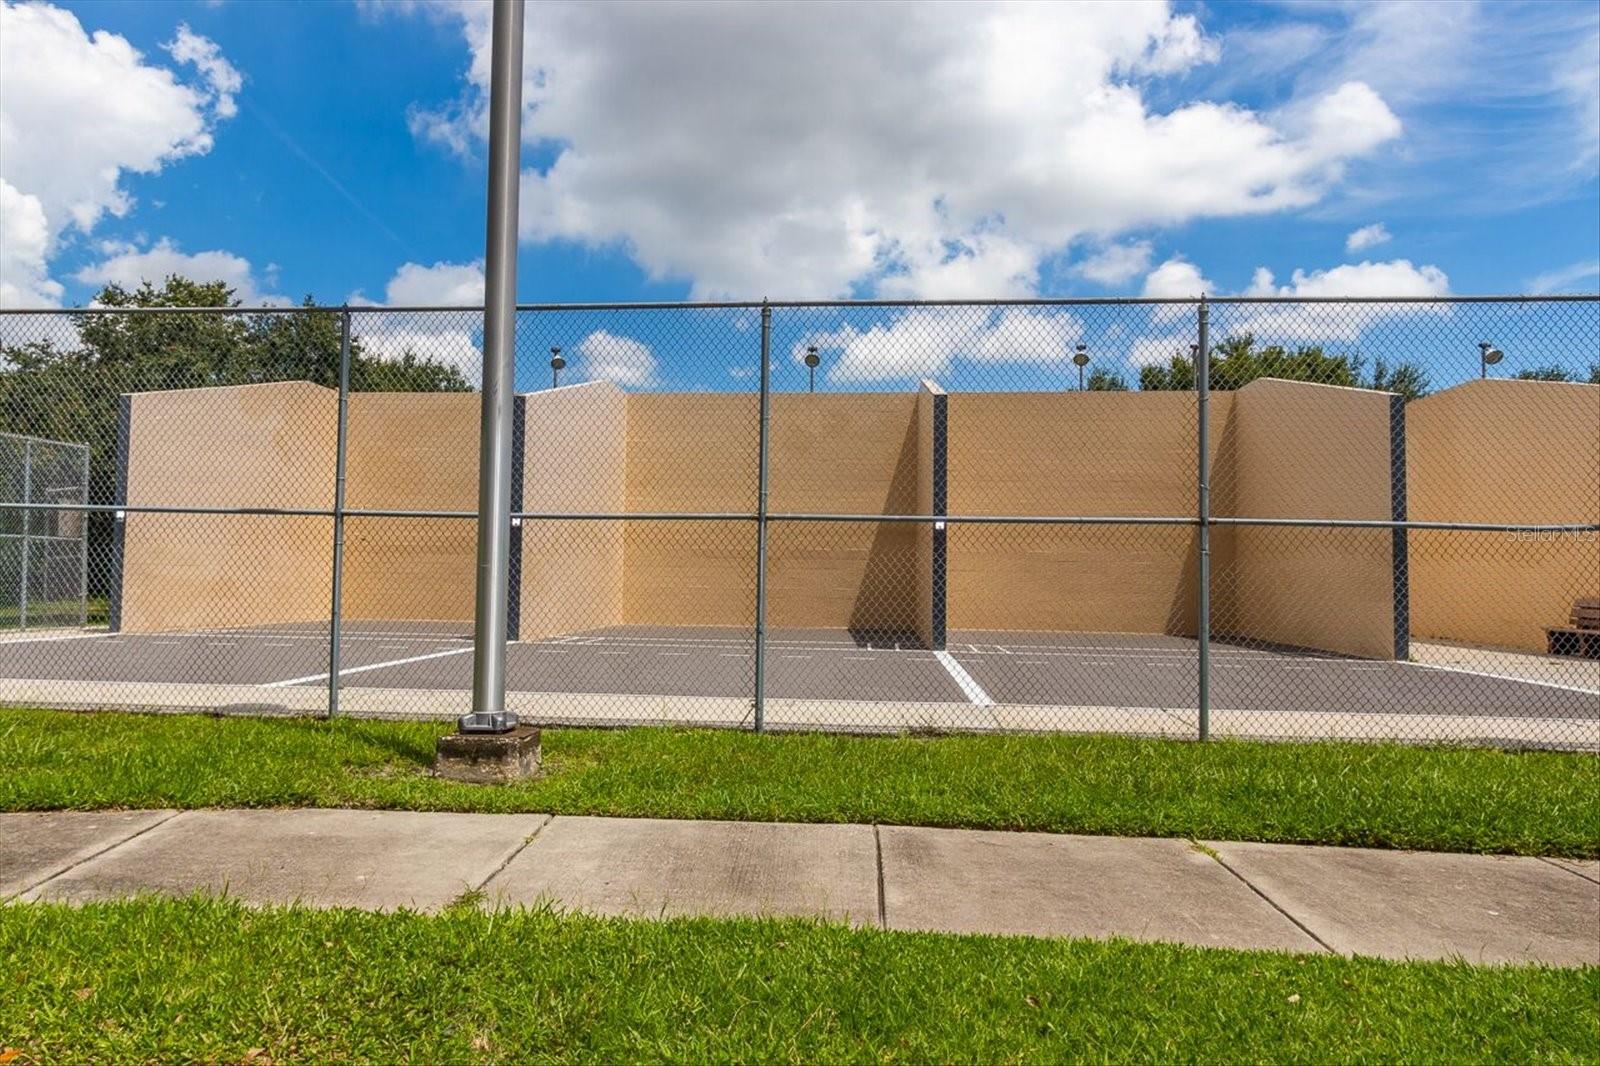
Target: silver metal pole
{"x":27,"y":528}
{"x":1202,"y":385}
{"x":341,"y":449}
{"x":489,"y":714}
{"x":762,"y":437}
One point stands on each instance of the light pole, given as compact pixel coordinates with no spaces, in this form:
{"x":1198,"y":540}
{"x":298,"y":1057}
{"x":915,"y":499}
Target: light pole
{"x":557,"y":365}
{"x":1488,"y":355}
{"x":1080,"y":359}
{"x":812,"y":360}
{"x":489,"y":714}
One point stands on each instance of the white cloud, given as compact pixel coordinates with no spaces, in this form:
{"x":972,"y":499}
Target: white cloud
{"x":24,"y":241}
{"x":926,"y":341}
{"x":1524,"y":74}
{"x":942,"y":155}
{"x":606,"y":356}
{"x":1116,"y":264}
{"x":1177,"y":279}
{"x":76,"y":113}
{"x":1171,"y":326}
{"x":1365,"y":279}
{"x":1159,"y":351}
{"x":1566,"y":279}
{"x":223,"y":78}
{"x":1279,"y":324}
{"x":452,"y":337}
{"x":129,"y":266}
{"x":1367,"y":237}
{"x":1179,"y":45}
{"x":442,"y":284}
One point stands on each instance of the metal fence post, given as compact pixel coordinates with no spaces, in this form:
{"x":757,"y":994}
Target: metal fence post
{"x":27,"y":529}
{"x":83,"y":549}
{"x":761,"y":516}
{"x":1202,"y":385}
{"x":336,"y":613}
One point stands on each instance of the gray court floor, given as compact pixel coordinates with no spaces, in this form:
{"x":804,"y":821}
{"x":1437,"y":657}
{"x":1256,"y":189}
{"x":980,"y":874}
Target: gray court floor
{"x":1103,"y":671}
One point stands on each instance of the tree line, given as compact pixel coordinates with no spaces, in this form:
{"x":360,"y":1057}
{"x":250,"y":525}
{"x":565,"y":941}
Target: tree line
{"x":1239,"y":360}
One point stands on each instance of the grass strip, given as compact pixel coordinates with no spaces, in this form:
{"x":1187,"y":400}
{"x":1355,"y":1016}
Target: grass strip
{"x":210,"y":980}
{"x":1393,"y":796}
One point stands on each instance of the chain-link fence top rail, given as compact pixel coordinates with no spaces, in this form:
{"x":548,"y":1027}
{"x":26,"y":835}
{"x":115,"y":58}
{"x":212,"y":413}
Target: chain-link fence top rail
{"x":975,"y":515}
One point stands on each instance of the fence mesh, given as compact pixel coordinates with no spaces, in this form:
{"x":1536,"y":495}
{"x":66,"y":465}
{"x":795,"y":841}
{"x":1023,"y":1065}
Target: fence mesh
{"x":1380,"y":519}
{"x":44,"y":551}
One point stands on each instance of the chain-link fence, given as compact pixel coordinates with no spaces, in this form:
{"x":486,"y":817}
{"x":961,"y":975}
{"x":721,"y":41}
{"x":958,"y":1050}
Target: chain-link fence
{"x":44,"y":551}
{"x":1358,"y":519}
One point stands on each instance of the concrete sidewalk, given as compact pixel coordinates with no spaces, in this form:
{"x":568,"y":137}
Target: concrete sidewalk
{"x":1390,"y":904}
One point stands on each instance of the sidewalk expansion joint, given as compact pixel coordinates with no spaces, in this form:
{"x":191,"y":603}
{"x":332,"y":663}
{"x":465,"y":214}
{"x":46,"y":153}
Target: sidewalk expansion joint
{"x":90,"y":858}
{"x":1570,"y":870}
{"x":1298,"y":924}
{"x":883,"y":904}
{"x":518,"y":850}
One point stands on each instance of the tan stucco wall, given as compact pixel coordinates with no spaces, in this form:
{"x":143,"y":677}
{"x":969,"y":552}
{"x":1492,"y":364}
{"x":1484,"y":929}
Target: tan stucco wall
{"x":268,"y":445}
{"x":690,"y":453}
{"x":1310,"y":451}
{"x":835,"y":453}
{"x":1077,"y":453}
{"x":1502,"y":451}
{"x":574,"y":460}
{"x":411,"y":451}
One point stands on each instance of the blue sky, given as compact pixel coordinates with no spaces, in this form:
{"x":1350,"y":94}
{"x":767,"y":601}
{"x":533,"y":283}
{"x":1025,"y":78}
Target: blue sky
{"x":805,"y":151}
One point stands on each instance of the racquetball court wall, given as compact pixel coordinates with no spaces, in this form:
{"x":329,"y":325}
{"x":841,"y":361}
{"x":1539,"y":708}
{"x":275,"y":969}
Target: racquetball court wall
{"x":596,"y":449}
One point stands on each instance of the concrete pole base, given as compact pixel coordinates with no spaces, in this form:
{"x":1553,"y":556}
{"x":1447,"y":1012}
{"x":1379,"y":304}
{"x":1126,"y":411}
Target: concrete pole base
{"x":489,"y":758}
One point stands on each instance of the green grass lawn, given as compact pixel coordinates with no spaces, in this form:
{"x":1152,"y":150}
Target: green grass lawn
{"x":54,"y":613}
{"x":1449,"y":799}
{"x":199,"y":980}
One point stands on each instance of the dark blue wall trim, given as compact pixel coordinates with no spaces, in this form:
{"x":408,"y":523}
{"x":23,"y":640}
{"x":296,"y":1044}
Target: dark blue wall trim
{"x":119,"y":522}
{"x":519,"y":422}
{"x":1398,"y":513}
{"x":941,"y":496}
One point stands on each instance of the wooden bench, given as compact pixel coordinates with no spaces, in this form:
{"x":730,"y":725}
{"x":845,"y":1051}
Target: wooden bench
{"x":1581,"y":636}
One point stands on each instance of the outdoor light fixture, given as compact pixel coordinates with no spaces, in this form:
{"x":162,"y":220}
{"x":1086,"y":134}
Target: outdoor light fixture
{"x":1080,"y":359}
{"x":557,"y":364}
{"x":1488,"y":355}
{"x":812,"y":360}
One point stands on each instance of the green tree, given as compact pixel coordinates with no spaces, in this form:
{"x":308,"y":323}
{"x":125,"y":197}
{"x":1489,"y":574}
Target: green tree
{"x":1238,"y":360}
{"x":1106,"y":381}
{"x":1406,"y":378}
{"x":1545,"y":373}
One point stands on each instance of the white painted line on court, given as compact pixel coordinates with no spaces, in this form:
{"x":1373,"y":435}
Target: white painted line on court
{"x":958,"y":673}
{"x":1507,"y":677}
{"x":59,"y":636}
{"x":364,"y":669}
